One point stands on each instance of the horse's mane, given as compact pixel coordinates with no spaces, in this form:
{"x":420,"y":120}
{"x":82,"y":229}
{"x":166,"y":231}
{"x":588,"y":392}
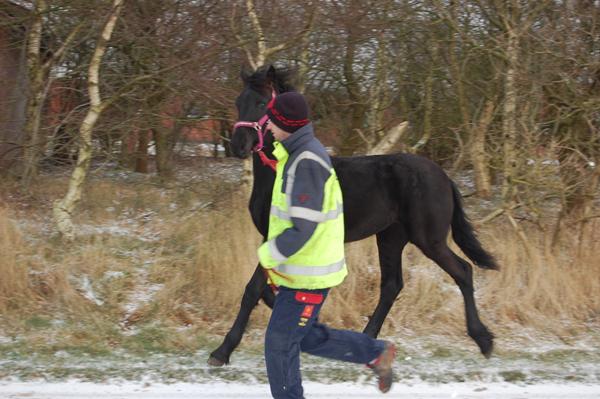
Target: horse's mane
{"x":261,"y":79}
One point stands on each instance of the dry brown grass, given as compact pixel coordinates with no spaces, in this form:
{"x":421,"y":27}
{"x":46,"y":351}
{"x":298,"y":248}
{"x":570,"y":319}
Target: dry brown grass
{"x":542,"y":292}
{"x":551,"y":286}
{"x":44,"y":277}
{"x":14,"y":282}
{"x":215,"y":260}
{"x":204,"y":257}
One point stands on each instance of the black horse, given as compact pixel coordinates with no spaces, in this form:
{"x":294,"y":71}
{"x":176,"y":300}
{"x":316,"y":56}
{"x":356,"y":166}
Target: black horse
{"x":400,"y":198}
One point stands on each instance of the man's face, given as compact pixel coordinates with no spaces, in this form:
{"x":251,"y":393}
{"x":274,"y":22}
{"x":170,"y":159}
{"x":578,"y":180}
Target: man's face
{"x":278,"y":133}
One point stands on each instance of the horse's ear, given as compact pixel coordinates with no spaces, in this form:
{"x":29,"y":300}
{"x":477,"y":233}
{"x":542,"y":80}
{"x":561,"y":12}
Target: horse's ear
{"x":245,"y":73}
{"x":271,"y":74}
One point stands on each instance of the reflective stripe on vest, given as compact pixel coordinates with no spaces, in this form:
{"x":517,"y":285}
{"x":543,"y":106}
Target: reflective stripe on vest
{"x":291,"y":174}
{"x":307,"y":213}
{"x":311,"y":270}
{"x":278,"y":256}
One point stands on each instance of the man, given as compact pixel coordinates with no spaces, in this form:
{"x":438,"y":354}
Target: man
{"x":304,"y":256}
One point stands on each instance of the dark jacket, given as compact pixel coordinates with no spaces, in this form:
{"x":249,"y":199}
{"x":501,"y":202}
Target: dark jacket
{"x":308,"y":181}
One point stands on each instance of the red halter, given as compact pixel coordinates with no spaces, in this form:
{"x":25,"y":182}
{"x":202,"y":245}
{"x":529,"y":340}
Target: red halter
{"x":260,"y":131}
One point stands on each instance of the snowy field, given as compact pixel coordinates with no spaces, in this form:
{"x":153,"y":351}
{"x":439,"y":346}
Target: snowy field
{"x":551,"y":372}
{"x":85,"y":390}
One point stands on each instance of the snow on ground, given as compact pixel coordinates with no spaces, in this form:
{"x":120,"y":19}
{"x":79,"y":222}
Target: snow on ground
{"x":471,"y":390}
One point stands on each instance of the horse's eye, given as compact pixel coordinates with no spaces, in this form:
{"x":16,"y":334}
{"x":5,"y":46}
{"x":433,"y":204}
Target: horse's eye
{"x":262,"y":104}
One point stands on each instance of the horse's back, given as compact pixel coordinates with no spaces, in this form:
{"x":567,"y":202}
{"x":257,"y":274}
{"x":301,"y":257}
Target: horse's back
{"x":380,"y":190}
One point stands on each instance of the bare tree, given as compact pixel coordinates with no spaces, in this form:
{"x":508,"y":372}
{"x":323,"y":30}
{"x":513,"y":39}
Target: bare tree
{"x":63,"y":209}
{"x":39,"y":63}
{"x":259,"y":55}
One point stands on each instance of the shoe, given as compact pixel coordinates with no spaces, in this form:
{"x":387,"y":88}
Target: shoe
{"x":382,"y":367}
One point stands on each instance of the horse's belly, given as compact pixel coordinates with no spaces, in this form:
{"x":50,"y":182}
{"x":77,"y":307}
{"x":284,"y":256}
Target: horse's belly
{"x":365,"y":224}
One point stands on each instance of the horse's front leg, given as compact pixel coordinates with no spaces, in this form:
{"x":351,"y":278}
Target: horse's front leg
{"x":390,"y":244}
{"x":255,"y":289}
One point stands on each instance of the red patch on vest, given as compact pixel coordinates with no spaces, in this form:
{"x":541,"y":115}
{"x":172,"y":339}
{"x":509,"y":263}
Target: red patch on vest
{"x":308,"y":311}
{"x":303,"y":198}
{"x":306,"y":297}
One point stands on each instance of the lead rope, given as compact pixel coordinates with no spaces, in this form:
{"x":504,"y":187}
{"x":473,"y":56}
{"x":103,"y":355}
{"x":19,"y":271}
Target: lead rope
{"x":270,"y":283}
{"x":271,"y":163}
{"x":268,"y":272}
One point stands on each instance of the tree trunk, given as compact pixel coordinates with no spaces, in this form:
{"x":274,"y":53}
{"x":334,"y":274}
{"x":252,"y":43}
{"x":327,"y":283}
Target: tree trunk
{"x":457,"y":76}
{"x":304,"y":57}
{"x":256,"y":61}
{"x":36,"y":94}
{"x":126,"y":160}
{"x":141,"y":153}
{"x":389,"y":140}
{"x":350,"y":138}
{"x":63,"y":209}
{"x":163,"y":153}
{"x":479,"y":157}
{"x":428,"y":112}
{"x":509,"y":122}
{"x":379,"y":93}
{"x":39,"y":83}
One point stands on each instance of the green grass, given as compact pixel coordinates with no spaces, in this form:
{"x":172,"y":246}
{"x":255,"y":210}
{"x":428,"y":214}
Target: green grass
{"x":38,"y":322}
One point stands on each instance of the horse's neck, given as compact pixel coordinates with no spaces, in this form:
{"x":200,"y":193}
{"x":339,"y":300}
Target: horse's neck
{"x":262,"y":190}
{"x":264,"y":176}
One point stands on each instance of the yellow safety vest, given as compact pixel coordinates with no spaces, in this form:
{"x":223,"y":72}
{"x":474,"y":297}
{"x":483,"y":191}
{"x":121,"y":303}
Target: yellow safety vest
{"x":320,"y":263}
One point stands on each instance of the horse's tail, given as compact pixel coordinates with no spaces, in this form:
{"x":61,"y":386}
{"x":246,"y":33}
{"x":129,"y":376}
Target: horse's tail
{"x":465,"y":237}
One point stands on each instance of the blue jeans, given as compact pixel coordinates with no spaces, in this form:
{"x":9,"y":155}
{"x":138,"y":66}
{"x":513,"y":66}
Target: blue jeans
{"x":294,"y":327}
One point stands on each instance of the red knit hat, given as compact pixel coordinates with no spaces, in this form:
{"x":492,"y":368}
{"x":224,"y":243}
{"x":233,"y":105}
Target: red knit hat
{"x":289,"y":111}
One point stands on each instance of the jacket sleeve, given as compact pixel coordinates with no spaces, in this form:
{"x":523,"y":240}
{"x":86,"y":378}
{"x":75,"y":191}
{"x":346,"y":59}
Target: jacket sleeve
{"x":307,"y":193}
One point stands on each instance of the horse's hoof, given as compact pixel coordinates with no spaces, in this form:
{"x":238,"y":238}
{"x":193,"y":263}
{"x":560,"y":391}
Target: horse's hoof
{"x":214,"y":362}
{"x":485,"y":340}
{"x":488,"y":352}
{"x":486,"y":345}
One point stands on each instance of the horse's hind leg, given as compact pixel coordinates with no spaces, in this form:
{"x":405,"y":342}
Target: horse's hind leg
{"x":462,"y":273}
{"x":253,"y":292}
{"x":268,"y":296}
{"x":390,"y":244}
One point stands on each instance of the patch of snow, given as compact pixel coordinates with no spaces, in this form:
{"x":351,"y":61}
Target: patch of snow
{"x":139,"y":296}
{"x":198,"y":149}
{"x":57,"y":322}
{"x":61,"y":354}
{"x":5,"y":340}
{"x":142,"y":296}
{"x":111,"y":274}
{"x":112,"y":229}
{"x":221,"y":390}
{"x":85,"y":285}
{"x":124,"y":228}
{"x":546,"y":162}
